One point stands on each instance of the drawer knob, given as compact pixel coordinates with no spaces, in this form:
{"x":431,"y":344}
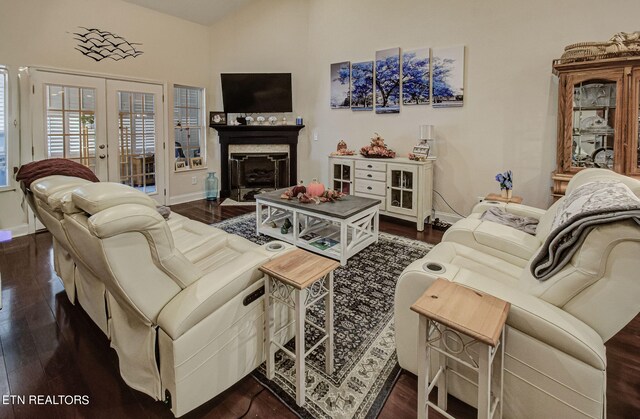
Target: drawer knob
{"x":369,"y":187}
{"x":369,"y":166}
{"x":369,"y":175}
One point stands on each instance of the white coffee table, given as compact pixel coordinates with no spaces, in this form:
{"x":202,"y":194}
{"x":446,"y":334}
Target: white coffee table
{"x":337,"y":230}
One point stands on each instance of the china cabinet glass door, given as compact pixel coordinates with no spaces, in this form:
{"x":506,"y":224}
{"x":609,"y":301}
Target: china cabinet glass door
{"x":401,"y":192}
{"x":342,"y":176}
{"x":633,"y":152}
{"x":595,"y":129}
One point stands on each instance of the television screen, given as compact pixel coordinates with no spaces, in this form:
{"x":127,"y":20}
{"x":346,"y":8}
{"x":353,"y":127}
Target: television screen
{"x":256,"y":92}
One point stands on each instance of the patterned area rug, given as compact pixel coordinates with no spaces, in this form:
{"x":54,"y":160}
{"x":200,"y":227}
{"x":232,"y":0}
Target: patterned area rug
{"x":366,"y":366}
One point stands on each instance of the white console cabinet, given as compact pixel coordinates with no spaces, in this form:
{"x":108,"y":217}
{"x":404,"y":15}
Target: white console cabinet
{"x":404,"y":186}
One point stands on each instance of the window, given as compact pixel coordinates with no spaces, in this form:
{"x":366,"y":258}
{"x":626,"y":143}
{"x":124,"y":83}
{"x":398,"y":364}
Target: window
{"x":188,"y":117}
{"x":70,"y":125}
{"x":4,"y":179}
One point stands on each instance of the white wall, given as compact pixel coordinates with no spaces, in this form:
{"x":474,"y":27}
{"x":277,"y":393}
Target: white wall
{"x":509,"y":117}
{"x":267,"y":36}
{"x":38,"y":33}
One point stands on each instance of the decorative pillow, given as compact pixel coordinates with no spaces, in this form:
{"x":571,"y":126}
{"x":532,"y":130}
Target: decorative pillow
{"x":33,"y":171}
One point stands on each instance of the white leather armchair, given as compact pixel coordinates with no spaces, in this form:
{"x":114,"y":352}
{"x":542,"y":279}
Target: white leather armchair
{"x":555,"y":363}
{"x":180,"y":300}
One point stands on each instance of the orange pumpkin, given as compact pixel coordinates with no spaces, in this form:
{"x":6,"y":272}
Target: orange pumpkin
{"x":315,"y":188}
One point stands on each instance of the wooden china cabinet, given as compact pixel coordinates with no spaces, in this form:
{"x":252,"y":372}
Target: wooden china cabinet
{"x":598,"y":105}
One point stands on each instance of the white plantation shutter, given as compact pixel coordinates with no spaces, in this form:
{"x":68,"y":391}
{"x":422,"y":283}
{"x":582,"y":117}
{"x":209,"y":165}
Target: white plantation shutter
{"x":188,"y":110}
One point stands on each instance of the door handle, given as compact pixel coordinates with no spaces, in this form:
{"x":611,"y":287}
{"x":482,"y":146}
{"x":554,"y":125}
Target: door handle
{"x":102,"y":156}
{"x":101,"y":146}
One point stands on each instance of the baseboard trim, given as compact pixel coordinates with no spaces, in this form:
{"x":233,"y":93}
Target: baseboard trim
{"x":19,"y":230}
{"x":180,"y":199}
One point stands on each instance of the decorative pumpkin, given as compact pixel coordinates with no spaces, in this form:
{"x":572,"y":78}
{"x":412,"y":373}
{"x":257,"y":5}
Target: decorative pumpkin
{"x":315,"y":188}
{"x":298,"y":189}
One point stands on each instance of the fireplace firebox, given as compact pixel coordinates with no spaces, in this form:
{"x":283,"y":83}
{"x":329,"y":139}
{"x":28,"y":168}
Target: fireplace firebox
{"x":253,"y":173}
{"x":256,"y":142}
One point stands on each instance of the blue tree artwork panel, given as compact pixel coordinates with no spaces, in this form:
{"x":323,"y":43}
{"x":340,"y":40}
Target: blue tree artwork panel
{"x":388,"y":81}
{"x":415,"y":77}
{"x":340,"y":73}
{"x":447,"y":67}
{"x":362,"y":86}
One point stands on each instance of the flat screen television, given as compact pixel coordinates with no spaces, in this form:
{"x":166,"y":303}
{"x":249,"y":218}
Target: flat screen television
{"x":256,"y":92}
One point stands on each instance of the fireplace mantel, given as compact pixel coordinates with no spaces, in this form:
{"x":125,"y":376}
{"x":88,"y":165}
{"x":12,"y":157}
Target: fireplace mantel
{"x":256,"y":134}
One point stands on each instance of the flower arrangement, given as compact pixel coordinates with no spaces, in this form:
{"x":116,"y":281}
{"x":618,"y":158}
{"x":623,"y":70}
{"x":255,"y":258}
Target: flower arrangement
{"x":377,"y":148}
{"x":505,"y":179}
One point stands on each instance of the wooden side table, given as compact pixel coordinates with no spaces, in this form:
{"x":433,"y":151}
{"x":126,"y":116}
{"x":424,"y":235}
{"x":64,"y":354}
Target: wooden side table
{"x":299,"y":279}
{"x":495,"y":197}
{"x":449,"y":311}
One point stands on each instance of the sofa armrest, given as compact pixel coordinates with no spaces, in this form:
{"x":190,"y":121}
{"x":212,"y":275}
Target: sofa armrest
{"x":544,"y":322}
{"x":530,"y":315}
{"x":212,"y":291}
{"x":517,"y":209}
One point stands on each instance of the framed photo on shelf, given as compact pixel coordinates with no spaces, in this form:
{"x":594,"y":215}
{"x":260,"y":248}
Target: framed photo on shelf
{"x":195,"y":162}
{"x":217,"y":118}
{"x":181,"y":165}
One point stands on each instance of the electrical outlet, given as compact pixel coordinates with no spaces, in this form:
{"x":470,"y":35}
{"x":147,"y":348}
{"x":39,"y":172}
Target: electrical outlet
{"x":315,"y":135}
{"x":194,"y":180}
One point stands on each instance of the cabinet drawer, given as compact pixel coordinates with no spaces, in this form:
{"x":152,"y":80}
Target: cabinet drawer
{"x":382,"y":199}
{"x":371,"y":175}
{"x":371,"y":187}
{"x":371,"y":165}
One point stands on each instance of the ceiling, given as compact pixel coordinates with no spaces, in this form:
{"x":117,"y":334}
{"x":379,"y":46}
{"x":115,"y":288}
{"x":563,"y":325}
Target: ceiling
{"x":204,"y":12}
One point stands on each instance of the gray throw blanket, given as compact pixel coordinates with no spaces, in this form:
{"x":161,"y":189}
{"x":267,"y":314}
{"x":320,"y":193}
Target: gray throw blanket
{"x":585,"y":208}
{"x":500,"y":216}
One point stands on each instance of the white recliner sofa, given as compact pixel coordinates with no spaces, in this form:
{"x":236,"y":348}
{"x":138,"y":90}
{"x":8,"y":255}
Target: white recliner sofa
{"x":179,"y":300}
{"x":555,"y":360}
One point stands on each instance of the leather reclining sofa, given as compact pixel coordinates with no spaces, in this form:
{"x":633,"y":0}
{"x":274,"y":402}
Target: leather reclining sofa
{"x":555,"y":360}
{"x":180,"y":301}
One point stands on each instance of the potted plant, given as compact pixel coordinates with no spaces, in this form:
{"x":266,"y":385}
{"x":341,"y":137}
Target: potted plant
{"x":506,"y":184}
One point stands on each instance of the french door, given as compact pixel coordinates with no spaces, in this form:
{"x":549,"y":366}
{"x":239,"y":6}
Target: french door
{"x":115,"y":128}
{"x":135,"y":136}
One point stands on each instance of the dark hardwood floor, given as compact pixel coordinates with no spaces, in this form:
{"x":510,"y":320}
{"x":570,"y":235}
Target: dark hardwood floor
{"x":50,"y":347}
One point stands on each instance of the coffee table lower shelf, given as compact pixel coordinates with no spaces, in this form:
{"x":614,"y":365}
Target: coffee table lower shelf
{"x":332,"y":237}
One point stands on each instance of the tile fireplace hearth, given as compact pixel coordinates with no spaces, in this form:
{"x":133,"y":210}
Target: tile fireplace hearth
{"x":257,"y":157}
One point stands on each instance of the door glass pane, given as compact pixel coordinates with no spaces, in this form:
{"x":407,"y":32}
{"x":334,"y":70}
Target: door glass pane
{"x":346,"y":172}
{"x":396,"y":178}
{"x":70,"y":124}
{"x":594,"y":111}
{"x":396,"y":198}
{"x":346,"y":188}
{"x":137,"y":140}
{"x":407,"y":180}
{"x":407,"y":201}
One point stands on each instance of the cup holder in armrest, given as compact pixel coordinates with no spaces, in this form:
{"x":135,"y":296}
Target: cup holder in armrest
{"x":274,"y":247}
{"x":434,"y":267}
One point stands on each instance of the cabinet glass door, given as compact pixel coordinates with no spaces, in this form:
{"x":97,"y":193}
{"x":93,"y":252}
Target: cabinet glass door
{"x":401,"y":195}
{"x":342,"y":176}
{"x":595,"y":124}
{"x":633,"y":152}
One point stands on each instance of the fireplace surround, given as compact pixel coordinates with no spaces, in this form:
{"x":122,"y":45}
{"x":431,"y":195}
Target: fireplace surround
{"x":249,"y":143}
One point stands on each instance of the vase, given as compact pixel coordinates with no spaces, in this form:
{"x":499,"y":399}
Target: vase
{"x":503,"y":193}
{"x":211,"y":187}
{"x":509,"y":193}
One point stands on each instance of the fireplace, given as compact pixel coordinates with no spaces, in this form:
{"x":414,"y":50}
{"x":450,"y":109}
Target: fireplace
{"x":251,"y":173}
{"x":257,"y":158}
